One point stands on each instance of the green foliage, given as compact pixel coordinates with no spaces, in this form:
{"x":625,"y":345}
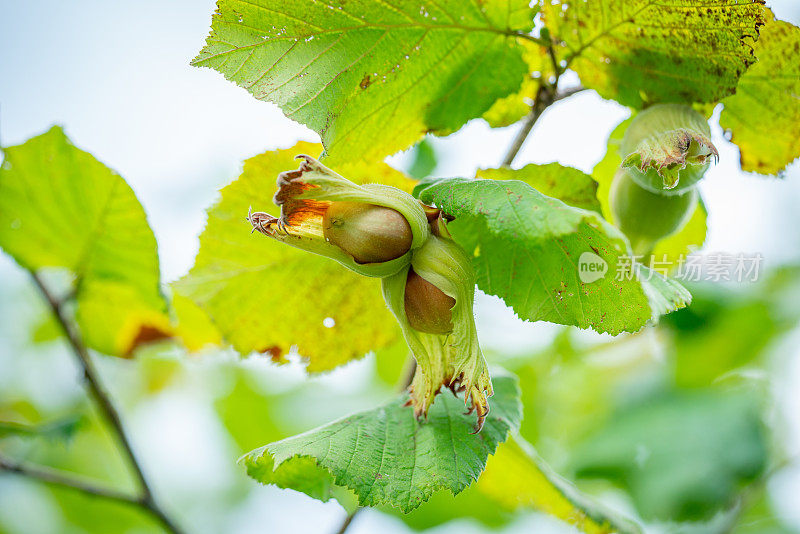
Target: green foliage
{"x":512,"y":108}
{"x":571,"y":186}
{"x":372,"y":78}
{"x":424,"y":162}
{"x":758,"y":517}
{"x":691,"y":236}
{"x":266,"y":297}
{"x":517,"y":478}
{"x":443,"y":507}
{"x":764,"y":114}
{"x":640,"y":52}
{"x":387,"y":457}
{"x":527,"y":249}
{"x":60,"y":430}
{"x":681,"y":455}
{"x":653,"y":413}
{"x":60,"y":207}
{"x":705,"y":352}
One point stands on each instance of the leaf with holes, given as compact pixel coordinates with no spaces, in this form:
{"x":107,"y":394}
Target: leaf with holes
{"x":386,"y":456}
{"x":267,"y":297}
{"x":639,"y":52}
{"x":60,"y":207}
{"x":550,"y":261}
{"x":764,"y":114}
{"x":372,"y":77}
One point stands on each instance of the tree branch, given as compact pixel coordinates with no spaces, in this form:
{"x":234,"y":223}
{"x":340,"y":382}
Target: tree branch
{"x":566,"y":93}
{"x":55,"y":477}
{"x":545,"y":97}
{"x":92,"y":379}
{"x":347,"y":520}
{"x":543,"y":100}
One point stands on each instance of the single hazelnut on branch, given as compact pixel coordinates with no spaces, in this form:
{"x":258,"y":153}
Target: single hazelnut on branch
{"x":369,"y":233}
{"x":428,"y":308}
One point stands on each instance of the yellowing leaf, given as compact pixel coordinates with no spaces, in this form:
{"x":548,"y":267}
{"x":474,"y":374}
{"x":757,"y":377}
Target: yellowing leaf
{"x":194,"y":326}
{"x":60,"y":207}
{"x":764,"y":114}
{"x":517,"y":478}
{"x":372,"y":77}
{"x":640,"y":51}
{"x":510,"y":109}
{"x":267,"y":297}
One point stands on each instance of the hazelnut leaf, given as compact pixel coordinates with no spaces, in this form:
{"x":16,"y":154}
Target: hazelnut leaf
{"x":369,"y":77}
{"x":640,"y":52}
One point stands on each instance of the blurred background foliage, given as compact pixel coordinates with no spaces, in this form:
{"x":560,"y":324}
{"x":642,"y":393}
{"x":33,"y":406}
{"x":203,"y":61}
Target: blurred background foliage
{"x":676,"y":425}
{"x":690,"y":426}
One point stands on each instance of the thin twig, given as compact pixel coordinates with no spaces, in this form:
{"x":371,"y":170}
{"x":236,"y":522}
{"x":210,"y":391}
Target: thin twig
{"x":93,"y":380}
{"x":566,"y":93}
{"x":55,"y":477}
{"x":347,"y":520}
{"x":543,"y":100}
{"x":545,"y":96}
{"x":104,"y":402}
{"x":531,"y":38}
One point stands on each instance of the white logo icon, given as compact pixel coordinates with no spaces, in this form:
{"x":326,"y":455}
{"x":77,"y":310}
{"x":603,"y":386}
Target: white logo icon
{"x":591,"y":267}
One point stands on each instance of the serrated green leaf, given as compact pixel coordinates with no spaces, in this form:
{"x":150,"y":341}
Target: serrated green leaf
{"x":567,"y":184}
{"x":444,"y":507}
{"x":640,"y":52}
{"x":764,"y":114}
{"x":60,"y":207}
{"x":528,"y":248}
{"x":387,"y":457}
{"x":670,"y":250}
{"x":516,"y":479}
{"x":682,"y":455}
{"x":372,"y":77}
{"x":267,"y":297}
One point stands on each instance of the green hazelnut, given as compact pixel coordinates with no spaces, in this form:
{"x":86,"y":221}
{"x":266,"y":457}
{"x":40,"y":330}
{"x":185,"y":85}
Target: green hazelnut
{"x":647,"y":217}
{"x":428,"y":308}
{"x":369,"y":233}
